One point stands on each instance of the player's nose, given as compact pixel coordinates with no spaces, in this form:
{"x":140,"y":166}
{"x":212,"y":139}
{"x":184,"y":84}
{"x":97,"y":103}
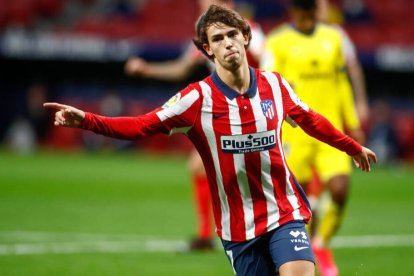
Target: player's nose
{"x":227,"y":42}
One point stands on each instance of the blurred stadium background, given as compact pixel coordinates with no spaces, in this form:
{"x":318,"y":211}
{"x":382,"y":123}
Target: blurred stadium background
{"x":72,"y":203}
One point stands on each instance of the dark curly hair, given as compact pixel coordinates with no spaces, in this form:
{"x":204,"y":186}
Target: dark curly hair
{"x":216,"y":14}
{"x":303,"y":4}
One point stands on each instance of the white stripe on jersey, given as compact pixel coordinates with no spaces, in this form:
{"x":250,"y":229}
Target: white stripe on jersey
{"x":266,"y":179}
{"x":240,"y":168}
{"x":207,"y":125}
{"x":277,"y":94}
{"x":179,"y":108}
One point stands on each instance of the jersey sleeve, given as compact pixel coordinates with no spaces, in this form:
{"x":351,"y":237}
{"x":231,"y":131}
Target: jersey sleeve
{"x":177,"y":114}
{"x":313,"y":123}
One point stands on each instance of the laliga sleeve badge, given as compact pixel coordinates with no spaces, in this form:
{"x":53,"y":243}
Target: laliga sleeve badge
{"x":172,"y":101}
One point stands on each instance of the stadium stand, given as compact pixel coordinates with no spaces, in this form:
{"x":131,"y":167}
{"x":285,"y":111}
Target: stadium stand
{"x":108,"y":31}
{"x":151,"y":21}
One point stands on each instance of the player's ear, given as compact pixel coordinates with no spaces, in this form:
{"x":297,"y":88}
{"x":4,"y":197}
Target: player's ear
{"x":207,"y":48}
{"x":246,"y":39}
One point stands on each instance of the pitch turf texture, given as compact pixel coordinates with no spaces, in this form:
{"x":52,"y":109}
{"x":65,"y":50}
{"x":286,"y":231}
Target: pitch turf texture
{"x":129,"y":214}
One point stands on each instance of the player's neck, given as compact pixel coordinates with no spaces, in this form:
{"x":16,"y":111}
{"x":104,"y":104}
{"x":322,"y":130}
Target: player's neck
{"x":238,"y":79}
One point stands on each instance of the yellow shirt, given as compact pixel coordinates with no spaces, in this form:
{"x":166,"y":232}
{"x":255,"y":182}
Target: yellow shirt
{"x":313,"y":64}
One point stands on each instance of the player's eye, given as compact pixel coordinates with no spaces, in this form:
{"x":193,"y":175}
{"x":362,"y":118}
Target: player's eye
{"x":232,"y":34}
{"x":216,"y":39}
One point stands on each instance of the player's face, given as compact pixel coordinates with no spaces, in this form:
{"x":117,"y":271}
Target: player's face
{"x":227,"y":45}
{"x":304,"y":20}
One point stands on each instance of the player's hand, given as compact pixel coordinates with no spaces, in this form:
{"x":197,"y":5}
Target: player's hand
{"x":362,"y":160}
{"x":66,"y":116}
{"x":135,"y":66}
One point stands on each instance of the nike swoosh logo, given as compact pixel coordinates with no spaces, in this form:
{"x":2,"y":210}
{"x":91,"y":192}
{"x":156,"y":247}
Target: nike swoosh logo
{"x":300,"y":248}
{"x":219,"y":115}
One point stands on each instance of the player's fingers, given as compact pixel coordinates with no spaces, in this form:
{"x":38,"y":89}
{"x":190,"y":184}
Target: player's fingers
{"x":58,"y":122}
{"x":127,"y":67}
{"x":356,"y":162}
{"x":130,"y":66}
{"x":59,"y":118}
{"x":67,"y":113}
{"x":363,"y":165}
{"x":54,"y":105}
{"x":373,"y":157}
{"x":136,"y":66}
{"x":367,"y":165}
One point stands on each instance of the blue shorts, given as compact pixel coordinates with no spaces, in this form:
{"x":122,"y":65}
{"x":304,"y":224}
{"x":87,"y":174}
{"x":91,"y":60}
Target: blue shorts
{"x":265,"y":254}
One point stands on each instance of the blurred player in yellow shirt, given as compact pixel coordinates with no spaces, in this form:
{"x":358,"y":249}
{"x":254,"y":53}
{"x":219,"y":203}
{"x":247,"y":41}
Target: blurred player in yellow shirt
{"x":353,"y":75}
{"x":312,"y":57}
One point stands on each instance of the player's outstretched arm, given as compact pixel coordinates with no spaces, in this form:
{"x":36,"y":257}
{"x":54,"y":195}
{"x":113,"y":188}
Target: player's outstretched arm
{"x":66,"y":115}
{"x":362,"y":159}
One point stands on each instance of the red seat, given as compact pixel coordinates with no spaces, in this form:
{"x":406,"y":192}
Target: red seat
{"x":50,"y":8}
{"x":21,"y":12}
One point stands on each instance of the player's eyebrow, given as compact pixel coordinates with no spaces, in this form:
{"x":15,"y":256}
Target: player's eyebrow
{"x":223,"y":33}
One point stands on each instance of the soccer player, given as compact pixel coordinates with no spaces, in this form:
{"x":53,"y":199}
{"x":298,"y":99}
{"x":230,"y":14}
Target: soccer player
{"x":352,"y":77}
{"x":178,"y":70}
{"x":311,"y":56}
{"x":352,"y":86}
{"x":234,"y":119}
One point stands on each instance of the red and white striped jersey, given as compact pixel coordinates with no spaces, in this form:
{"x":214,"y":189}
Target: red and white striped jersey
{"x":238,"y":137}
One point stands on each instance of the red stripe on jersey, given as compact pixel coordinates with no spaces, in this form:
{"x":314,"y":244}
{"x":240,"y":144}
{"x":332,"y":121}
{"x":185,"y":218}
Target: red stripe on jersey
{"x":231,"y":187}
{"x":253,"y":167}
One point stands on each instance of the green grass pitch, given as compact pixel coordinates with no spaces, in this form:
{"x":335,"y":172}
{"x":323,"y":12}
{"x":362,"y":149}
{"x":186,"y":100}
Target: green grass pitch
{"x":120,"y":214}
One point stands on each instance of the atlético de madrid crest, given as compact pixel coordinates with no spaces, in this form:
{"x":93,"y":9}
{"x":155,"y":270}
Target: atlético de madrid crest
{"x":268,"y":109}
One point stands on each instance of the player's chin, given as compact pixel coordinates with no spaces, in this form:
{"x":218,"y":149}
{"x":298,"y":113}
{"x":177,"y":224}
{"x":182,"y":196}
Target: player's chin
{"x":233,"y":64}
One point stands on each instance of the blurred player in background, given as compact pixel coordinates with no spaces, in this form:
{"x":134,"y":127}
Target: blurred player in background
{"x":352,"y":77}
{"x":352,"y":85}
{"x":179,"y":70}
{"x":234,"y":119}
{"x":314,"y":58}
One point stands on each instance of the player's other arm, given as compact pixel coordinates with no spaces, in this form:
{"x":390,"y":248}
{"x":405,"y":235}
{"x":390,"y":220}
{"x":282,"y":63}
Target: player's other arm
{"x":356,"y":76}
{"x":349,"y":114}
{"x":174,"y":70}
